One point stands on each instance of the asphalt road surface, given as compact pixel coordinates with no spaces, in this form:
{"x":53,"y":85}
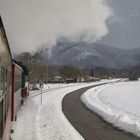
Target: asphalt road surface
{"x":89,"y":124}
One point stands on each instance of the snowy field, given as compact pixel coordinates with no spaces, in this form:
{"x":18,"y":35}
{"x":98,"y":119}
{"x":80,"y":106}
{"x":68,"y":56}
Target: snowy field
{"x":47,"y":122}
{"x":118,"y":104}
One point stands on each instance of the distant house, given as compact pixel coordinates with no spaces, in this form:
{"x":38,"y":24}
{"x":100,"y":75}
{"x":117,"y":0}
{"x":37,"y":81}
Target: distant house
{"x":133,"y":76}
{"x":134,"y":73}
{"x":92,"y":79}
{"x":71,"y":80}
{"x":56,"y":79}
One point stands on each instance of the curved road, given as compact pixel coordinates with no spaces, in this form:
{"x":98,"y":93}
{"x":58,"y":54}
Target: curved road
{"x":89,"y":124}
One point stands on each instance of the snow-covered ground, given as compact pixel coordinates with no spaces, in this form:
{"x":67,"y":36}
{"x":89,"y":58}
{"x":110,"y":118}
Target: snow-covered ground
{"x":118,"y":104}
{"x":47,"y":122}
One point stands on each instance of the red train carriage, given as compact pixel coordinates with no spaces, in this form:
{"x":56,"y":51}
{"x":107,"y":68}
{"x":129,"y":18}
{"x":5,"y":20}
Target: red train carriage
{"x":12,"y":86}
{"x":24,"y":80}
{"x":5,"y":85}
{"x":19,"y":89}
{"x":16,"y":97}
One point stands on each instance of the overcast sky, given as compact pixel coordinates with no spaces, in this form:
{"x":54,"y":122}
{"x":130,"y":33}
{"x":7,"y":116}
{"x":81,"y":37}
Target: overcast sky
{"x":124,"y":27}
{"x":31,"y":23}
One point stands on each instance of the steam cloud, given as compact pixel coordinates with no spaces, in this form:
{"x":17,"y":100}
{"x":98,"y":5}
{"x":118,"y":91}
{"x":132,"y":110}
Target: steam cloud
{"x":30,"y":23}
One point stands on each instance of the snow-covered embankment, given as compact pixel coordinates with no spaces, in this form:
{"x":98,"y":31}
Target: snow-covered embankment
{"x":118,"y":104}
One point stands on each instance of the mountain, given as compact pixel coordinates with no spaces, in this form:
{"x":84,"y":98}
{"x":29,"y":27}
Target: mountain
{"x":83,"y":54}
{"x":86,"y":55}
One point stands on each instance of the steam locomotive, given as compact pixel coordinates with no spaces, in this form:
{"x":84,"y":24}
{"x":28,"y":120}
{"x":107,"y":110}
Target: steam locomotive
{"x":12,"y":86}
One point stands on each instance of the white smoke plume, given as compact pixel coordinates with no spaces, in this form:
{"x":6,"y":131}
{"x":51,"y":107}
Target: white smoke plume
{"x":30,"y":23}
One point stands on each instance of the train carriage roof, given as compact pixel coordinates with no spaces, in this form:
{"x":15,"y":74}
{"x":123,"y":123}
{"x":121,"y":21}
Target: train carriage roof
{"x":23,"y":67}
{"x":4,"y":36}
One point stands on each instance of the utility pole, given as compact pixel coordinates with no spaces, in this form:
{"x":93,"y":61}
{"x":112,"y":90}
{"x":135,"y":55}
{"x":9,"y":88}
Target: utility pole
{"x":41,"y":86}
{"x":47,"y":65}
{"x":41,"y":95}
{"x":46,"y":73}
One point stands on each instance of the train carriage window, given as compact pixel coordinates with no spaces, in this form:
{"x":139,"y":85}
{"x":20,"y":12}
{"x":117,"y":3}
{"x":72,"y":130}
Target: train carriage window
{"x":1,"y":119}
{"x":17,"y":82}
{"x":0,"y":80}
{"x":6,"y":77}
{"x":6,"y":91}
{"x":9,"y":87}
{"x":7,"y":101}
{"x":1,"y":105}
{"x":4,"y":110}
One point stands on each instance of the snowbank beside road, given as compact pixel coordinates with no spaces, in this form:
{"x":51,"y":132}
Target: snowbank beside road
{"x":118,"y":104}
